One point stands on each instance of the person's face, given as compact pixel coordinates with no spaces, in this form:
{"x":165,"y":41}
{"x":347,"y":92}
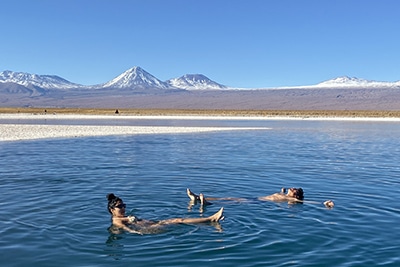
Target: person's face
{"x":119,"y":209}
{"x":291,"y":192}
{"x":295,"y":192}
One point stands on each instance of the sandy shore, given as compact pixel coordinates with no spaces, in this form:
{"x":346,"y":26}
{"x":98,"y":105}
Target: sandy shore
{"x":208,"y":113}
{"x":14,"y":131}
{"x":56,"y":116}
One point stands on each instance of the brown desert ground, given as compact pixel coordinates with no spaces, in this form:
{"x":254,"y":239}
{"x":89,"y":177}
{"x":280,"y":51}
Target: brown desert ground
{"x":209,"y":112}
{"x":342,"y":102}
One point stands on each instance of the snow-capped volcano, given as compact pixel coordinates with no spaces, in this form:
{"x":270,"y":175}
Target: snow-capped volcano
{"x":345,"y":81}
{"x":140,"y":80}
{"x":194,"y":81}
{"x":41,"y":81}
{"x":135,"y":77}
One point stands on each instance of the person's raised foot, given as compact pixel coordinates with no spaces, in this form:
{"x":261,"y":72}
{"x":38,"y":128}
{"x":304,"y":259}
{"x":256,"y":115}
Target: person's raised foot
{"x":203,"y":200}
{"x":218,"y":216}
{"x":191,"y":195}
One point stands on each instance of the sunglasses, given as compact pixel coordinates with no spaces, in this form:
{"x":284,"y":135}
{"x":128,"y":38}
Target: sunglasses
{"x":120,"y":206}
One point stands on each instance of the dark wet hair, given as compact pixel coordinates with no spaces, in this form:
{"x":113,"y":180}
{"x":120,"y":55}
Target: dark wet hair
{"x":112,"y":201}
{"x":299,"y":193}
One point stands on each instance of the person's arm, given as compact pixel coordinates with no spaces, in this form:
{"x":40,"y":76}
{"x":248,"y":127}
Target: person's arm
{"x":126,"y":228}
{"x":121,"y":225}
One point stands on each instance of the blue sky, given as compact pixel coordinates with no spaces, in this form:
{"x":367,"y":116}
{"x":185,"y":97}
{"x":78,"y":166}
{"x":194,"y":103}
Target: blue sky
{"x":254,"y":43}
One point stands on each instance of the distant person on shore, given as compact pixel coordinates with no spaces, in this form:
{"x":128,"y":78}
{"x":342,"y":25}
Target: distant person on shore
{"x":132,"y":224}
{"x":292,"y":196}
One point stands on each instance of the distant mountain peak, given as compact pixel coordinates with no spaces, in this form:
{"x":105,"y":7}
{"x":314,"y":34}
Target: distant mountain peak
{"x":135,"y":77}
{"x":41,"y":81}
{"x":195,"y":81}
{"x":346,"y":81}
{"x":136,"y":70}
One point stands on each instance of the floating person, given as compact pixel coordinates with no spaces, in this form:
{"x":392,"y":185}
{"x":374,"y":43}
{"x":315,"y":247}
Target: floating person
{"x":132,"y":224}
{"x":292,"y":196}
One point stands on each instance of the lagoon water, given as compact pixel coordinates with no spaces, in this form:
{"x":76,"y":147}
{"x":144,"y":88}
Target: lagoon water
{"x":53,"y":196}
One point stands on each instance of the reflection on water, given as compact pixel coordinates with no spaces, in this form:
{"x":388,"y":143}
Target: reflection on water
{"x":115,"y":246}
{"x":54,"y":207}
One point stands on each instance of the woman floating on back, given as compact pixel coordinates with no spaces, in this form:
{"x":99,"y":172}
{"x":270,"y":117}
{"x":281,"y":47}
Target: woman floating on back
{"x":132,"y":224}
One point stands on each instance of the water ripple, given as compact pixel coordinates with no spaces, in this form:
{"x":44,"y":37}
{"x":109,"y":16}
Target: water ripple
{"x":54,"y":211}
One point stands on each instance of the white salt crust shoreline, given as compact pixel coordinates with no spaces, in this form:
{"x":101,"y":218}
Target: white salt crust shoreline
{"x":15,"y":132}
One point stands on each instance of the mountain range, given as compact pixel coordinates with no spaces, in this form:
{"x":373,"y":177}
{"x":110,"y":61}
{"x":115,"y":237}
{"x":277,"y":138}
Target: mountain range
{"x":137,"y":78}
{"x":136,"y":88}
{"x":134,"y":78}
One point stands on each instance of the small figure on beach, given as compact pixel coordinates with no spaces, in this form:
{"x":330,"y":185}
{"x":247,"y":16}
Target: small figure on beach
{"x":116,"y":111}
{"x":132,"y":224}
{"x":292,"y":196}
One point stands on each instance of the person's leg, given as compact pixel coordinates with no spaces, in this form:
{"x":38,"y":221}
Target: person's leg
{"x":216,"y":217}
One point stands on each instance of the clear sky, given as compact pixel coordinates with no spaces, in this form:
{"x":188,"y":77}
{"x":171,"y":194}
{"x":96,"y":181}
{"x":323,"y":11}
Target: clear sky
{"x":252,"y":43}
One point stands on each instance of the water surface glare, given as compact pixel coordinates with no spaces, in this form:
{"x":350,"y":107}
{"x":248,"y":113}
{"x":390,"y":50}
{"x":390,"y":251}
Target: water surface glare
{"x":53,"y":210}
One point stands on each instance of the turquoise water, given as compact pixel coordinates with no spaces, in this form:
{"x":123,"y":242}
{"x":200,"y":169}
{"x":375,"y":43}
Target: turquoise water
{"x":53,"y":196}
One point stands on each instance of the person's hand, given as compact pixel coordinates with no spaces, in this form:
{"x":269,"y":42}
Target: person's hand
{"x":132,"y":219}
{"x":135,"y":232}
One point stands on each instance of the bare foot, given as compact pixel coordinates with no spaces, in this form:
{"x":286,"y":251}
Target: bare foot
{"x":203,"y":200}
{"x":191,"y":195}
{"x":218,"y":216}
